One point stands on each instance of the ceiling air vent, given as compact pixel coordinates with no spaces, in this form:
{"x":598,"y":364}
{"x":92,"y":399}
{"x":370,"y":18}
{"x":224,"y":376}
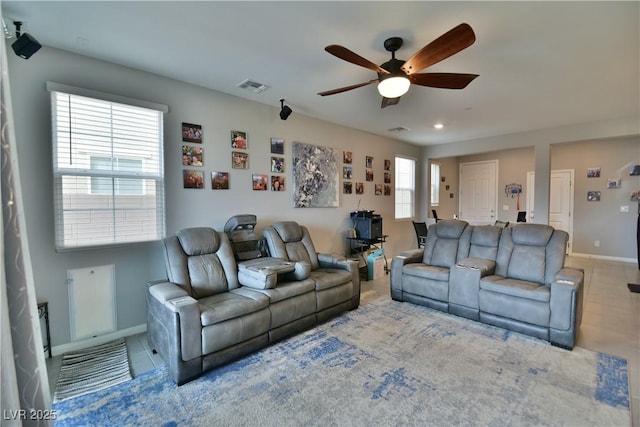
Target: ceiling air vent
{"x":252,"y":86}
{"x":398,"y":129}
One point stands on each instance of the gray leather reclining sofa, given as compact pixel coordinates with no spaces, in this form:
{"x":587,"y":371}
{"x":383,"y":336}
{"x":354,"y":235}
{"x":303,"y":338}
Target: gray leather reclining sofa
{"x":212,"y":310}
{"x":513,"y":278}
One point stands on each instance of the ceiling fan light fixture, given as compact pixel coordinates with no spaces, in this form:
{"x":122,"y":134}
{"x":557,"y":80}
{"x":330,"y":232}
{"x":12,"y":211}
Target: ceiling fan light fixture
{"x":393,"y":86}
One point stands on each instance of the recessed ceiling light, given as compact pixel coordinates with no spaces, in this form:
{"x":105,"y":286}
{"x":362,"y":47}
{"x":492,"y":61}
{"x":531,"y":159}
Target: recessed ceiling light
{"x":438,"y":126}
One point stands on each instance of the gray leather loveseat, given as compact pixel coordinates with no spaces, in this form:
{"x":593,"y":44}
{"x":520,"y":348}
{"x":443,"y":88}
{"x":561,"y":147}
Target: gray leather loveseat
{"x":513,"y":278}
{"x":211,"y":311}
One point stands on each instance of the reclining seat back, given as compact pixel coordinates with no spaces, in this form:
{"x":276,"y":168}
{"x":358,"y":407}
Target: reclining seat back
{"x":201,"y":261}
{"x":292,"y":242}
{"x":531,"y":252}
{"x":447,"y":243}
{"x":484,"y":242}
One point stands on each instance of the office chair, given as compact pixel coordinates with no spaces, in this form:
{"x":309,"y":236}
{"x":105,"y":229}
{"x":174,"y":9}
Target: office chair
{"x":421,"y":232}
{"x":435,"y":215}
{"x":522,"y":216}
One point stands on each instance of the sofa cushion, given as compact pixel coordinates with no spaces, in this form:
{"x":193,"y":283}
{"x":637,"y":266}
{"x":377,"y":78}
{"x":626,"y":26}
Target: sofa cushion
{"x":484,"y":242}
{"x":426,"y":271}
{"x":230,"y":305}
{"x":207,"y":275}
{"x":447,"y":242}
{"x":516,"y":288}
{"x":289,"y":231}
{"x":531,"y":234}
{"x":327,"y":278}
{"x":198,"y":240}
{"x":527,"y":263}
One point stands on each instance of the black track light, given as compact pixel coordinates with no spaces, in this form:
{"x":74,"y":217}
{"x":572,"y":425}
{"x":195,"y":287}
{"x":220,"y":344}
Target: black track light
{"x":285,"y":110}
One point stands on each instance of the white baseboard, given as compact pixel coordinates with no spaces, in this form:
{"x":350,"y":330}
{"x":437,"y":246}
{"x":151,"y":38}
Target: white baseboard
{"x":605,"y":258}
{"x":78,"y":345}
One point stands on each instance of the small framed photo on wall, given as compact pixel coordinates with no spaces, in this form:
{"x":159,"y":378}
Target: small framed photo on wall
{"x":239,"y":140}
{"x":239,"y":160}
{"x":191,"y":133}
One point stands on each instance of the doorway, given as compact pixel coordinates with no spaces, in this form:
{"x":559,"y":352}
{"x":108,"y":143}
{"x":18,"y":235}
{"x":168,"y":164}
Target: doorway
{"x":561,"y":195}
{"x":478,"y":192}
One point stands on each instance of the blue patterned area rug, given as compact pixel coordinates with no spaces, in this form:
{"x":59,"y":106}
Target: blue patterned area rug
{"x":387,"y":363}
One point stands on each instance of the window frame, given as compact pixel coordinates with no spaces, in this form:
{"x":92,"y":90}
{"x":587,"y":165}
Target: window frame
{"x":409,"y":207}
{"x":121,"y":222}
{"x":434,"y":184}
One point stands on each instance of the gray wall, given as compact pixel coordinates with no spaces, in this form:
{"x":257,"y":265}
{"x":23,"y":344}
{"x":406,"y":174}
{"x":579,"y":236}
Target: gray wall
{"x":602,"y":220}
{"x":218,"y":114}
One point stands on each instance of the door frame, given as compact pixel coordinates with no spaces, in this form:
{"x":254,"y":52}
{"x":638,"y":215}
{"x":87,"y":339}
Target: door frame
{"x":530,"y":198}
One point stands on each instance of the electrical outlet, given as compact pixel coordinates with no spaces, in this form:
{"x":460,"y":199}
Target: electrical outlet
{"x":624,"y":208}
{"x":505,"y":207}
{"x":597,"y":243}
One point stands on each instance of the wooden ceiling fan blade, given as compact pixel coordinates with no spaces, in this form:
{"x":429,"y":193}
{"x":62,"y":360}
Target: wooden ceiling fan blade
{"x":389,"y":101}
{"x":443,"y":80}
{"x":346,"y":88}
{"x":349,"y":56}
{"x":441,"y":48}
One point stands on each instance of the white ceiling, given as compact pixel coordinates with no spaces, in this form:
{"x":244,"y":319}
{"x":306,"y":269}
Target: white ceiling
{"x":541,"y":64}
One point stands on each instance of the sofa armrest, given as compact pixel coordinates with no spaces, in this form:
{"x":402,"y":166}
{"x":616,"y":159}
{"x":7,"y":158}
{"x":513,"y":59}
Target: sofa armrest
{"x":566,"y":299}
{"x":411,"y":256}
{"x":341,"y":262}
{"x":173,"y":321}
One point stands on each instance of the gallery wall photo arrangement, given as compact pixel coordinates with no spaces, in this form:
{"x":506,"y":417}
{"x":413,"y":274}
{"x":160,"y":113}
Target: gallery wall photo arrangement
{"x":316,"y":178}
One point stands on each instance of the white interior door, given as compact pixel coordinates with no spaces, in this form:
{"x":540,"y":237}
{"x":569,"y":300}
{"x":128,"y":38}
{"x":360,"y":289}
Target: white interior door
{"x":560,"y":200}
{"x":478,"y":191}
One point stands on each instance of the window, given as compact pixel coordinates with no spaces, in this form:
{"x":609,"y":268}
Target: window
{"x":108,"y":169}
{"x":435,"y":184}
{"x":405,"y":187}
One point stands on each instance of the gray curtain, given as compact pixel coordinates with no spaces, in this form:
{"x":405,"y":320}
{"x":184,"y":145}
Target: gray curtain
{"x":24,"y":393}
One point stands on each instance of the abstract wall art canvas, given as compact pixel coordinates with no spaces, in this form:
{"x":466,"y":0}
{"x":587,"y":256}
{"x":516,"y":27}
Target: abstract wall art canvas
{"x":315,"y":176}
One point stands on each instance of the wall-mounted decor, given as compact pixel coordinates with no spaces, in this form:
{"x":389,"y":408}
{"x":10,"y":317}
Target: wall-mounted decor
{"x":634,"y":170}
{"x":635,"y":196}
{"x":593,"y":173}
{"x":239,"y":160}
{"x":239,"y":140}
{"x":347,"y":187}
{"x":593,"y":196}
{"x":191,"y":133}
{"x":369,"y":162}
{"x":277,"y":145}
{"x":192,"y":178}
{"x":259,"y":182}
{"x":347,"y":157}
{"x":387,"y":164}
{"x":219,"y":180}
{"x":277,"y":164}
{"x":369,"y":174}
{"x":277,"y":183}
{"x":359,"y":187}
{"x":347,"y":172}
{"x":378,"y":189}
{"x":387,"y":177}
{"x":192,"y":156}
{"x":614,"y":183}
{"x":316,"y":178}
{"x":387,"y":190}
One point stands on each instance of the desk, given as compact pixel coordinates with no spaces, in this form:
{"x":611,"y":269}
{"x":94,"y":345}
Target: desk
{"x":359,"y":245}
{"x":43,"y":312}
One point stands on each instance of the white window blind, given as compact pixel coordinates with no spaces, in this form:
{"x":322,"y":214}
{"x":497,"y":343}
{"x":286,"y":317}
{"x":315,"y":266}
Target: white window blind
{"x":108,"y":172}
{"x":405,"y":188}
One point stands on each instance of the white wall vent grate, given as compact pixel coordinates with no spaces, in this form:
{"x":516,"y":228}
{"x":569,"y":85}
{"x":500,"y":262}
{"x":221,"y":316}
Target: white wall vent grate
{"x":252,"y":86}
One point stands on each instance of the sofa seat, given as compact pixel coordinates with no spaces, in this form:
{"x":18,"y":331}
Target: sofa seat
{"x":326,"y":278}
{"x":229,"y":305}
{"x":426,"y":281}
{"x":290,"y":302}
{"x":516,"y":288}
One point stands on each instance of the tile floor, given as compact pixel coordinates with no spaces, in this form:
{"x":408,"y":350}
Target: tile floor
{"x":610,"y":322}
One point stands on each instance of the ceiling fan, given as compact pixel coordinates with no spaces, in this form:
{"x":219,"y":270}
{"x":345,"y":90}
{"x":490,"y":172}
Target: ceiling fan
{"x":395,"y":76}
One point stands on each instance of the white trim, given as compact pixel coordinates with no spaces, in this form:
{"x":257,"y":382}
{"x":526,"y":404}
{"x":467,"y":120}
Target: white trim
{"x":605,"y":258}
{"x":89,"y":93}
{"x":78,"y":345}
